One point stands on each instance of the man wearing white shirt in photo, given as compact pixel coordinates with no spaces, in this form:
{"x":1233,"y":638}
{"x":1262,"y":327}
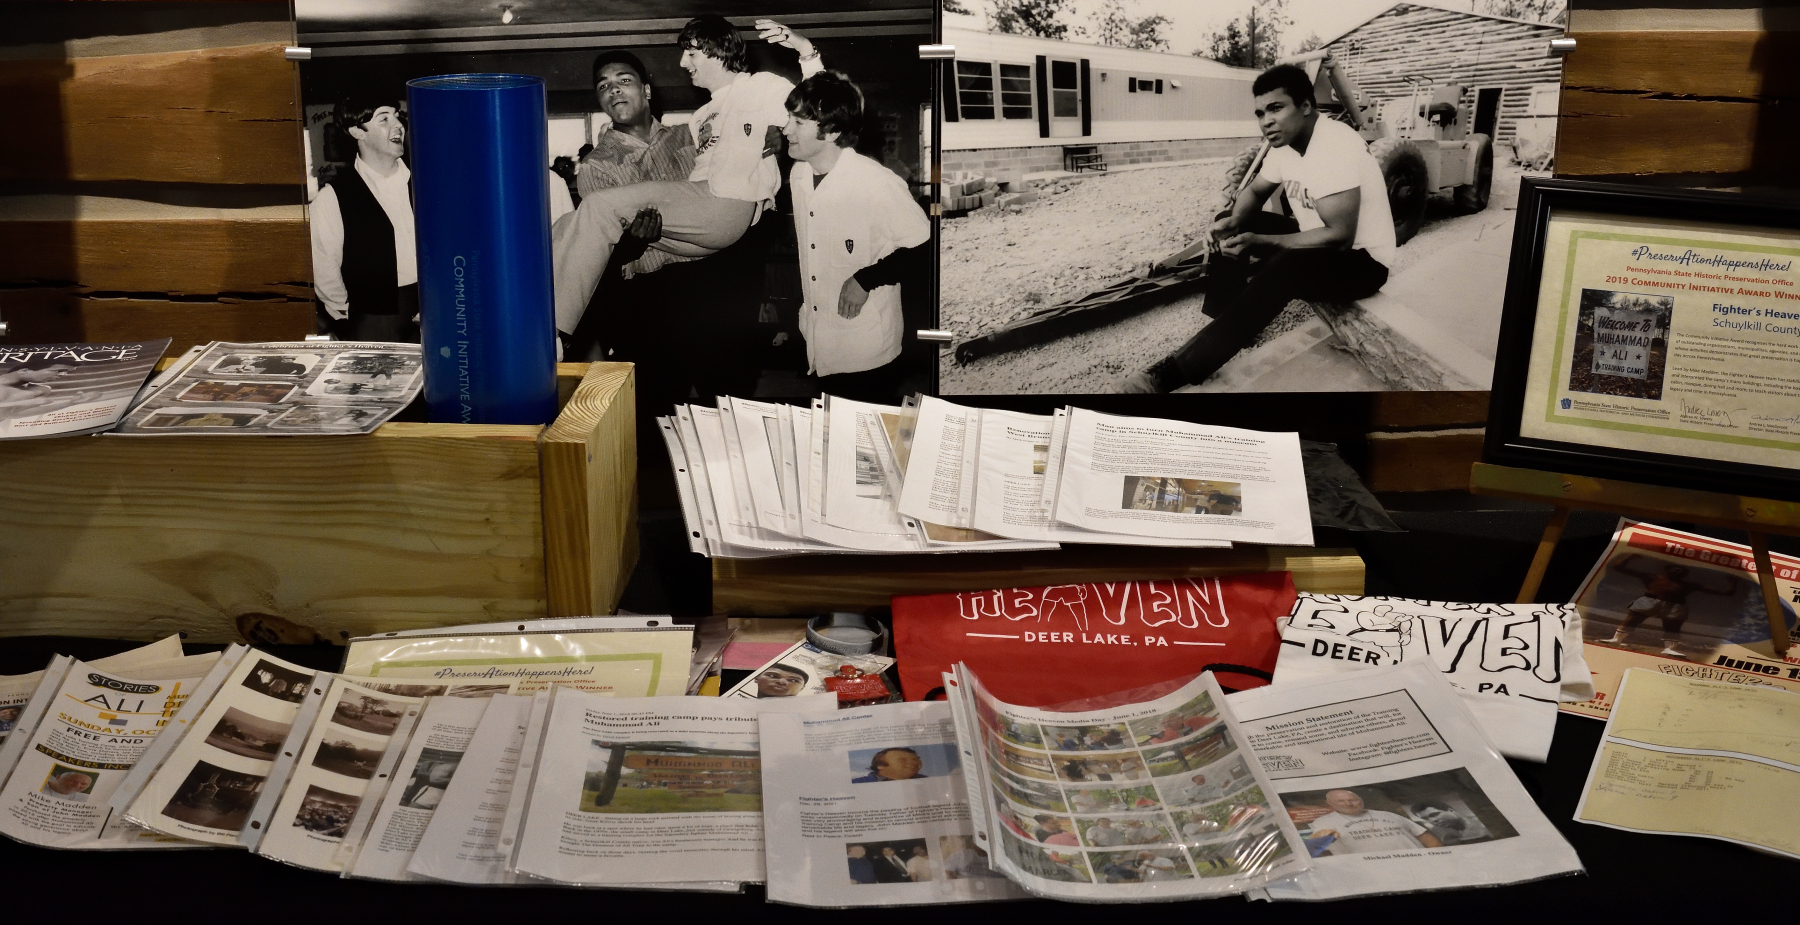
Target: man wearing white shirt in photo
{"x":365,"y":261}
{"x":1337,"y":247}
{"x":860,"y":234}
{"x":736,"y":136}
{"x":1361,"y":830}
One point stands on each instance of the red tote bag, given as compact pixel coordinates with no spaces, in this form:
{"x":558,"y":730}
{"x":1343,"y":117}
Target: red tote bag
{"x":1048,"y":645}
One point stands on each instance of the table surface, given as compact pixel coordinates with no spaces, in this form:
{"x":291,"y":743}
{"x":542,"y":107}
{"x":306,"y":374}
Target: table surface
{"x":1456,"y":548}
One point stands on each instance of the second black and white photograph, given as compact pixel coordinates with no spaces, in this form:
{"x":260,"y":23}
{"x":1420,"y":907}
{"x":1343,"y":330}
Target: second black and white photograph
{"x":1236,"y":195}
{"x":737,"y":189}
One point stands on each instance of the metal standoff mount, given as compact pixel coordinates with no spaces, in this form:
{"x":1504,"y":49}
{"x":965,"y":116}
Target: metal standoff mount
{"x":934,"y":336}
{"x":297,"y":53}
{"x":1562,"y":46}
{"x":930,"y":52}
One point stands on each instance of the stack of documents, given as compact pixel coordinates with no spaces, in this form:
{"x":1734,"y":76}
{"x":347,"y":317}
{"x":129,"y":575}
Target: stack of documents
{"x":763,"y":479}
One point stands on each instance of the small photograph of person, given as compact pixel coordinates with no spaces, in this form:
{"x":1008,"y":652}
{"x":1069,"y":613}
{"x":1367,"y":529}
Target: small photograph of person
{"x":1142,"y":866}
{"x":1024,"y":763}
{"x":214,"y":797}
{"x":1053,"y":830}
{"x":1211,"y":784}
{"x":1019,"y":733}
{"x":272,"y":680}
{"x":1400,"y":815}
{"x":1045,"y":861}
{"x":1658,"y":606}
{"x":963,"y":859}
{"x":1189,"y":755}
{"x":1035,"y":795}
{"x":430,"y":778}
{"x":899,"y":861}
{"x":264,"y":393}
{"x":9,"y":717}
{"x":1095,"y":738}
{"x":1115,"y":832}
{"x":365,"y":255}
{"x":29,"y":392}
{"x":1179,"y":723}
{"x":1255,"y":848}
{"x":72,"y":784}
{"x":916,"y":762}
{"x":781,"y":680}
{"x":265,"y":364}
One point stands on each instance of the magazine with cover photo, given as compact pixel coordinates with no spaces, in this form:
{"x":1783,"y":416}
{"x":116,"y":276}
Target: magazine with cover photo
{"x":58,"y":390}
{"x":296,"y":387}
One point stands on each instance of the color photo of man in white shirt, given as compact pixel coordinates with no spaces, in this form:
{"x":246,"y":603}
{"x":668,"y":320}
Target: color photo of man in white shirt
{"x":859,"y":233}
{"x":365,"y":260}
{"x":1336,"y":247}
{"x":1361,"y":830}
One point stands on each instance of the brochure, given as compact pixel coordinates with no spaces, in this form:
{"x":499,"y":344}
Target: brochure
{"x":16,"y":690}
{"x":1104,"y":805}
{"x":1690,"y":756}
{"x":869,"y":807}
{"x":621,"y":657}
{"x":1393,"y":787}
{"x":292,"y":387}
{"x":58,"y":390}
{"x":629,"y":791}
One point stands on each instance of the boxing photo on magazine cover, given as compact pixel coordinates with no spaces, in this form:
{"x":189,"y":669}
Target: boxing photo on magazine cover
{"x":738,"y":198}
{"x":1236,"y":195}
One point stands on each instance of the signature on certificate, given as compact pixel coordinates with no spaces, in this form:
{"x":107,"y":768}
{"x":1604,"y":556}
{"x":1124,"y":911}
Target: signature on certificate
{"x":1776,"y":419}
{"x":1710,"y":415}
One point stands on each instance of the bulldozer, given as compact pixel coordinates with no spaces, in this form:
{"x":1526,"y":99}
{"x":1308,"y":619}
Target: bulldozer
{"x":1422,"y":142}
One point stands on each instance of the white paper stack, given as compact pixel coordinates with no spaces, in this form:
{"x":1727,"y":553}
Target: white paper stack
{"x":760,"y":479}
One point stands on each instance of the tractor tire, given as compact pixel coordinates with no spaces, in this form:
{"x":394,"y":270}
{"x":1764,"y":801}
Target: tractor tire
{"x":1473,"y":197}
{"x":1408,"y":184}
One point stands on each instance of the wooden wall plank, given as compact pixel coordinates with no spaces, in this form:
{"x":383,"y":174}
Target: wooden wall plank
{"x":177,"y":256}
{"x":216,"y":115}
{"x":49,"y":316}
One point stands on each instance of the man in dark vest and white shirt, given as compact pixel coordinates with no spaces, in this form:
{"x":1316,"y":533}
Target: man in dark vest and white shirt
{"x":365,"y":262}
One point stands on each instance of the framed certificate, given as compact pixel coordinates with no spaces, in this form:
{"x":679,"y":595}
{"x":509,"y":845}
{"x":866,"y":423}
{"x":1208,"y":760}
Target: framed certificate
{"x":1652,"y":336}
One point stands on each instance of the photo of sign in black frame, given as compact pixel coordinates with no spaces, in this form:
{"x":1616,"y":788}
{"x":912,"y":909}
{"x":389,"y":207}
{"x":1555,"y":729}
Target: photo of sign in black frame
{"x":1540,"y":200}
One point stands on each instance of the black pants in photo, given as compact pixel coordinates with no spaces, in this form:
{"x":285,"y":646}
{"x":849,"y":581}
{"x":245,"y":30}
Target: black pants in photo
{"x":1243,"y":296}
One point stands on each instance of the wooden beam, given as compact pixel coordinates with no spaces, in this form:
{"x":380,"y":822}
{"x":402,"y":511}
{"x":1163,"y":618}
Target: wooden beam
{"x":590,"y":493}
{"x":214,"y":115}
{"x":50,"y":316}
{"x":1436,"y":460}
{"x":107,"y":245}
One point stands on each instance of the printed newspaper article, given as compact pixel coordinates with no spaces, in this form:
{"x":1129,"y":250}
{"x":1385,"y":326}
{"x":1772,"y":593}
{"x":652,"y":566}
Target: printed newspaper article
{"x":630,"y":662}
{"x":1685,"y":605}
{"x":1684,"y":756}
{"x":646,"y":791}
{"x":869,"y":807}
{"x":1667,"y":337}
{"x":1513,"y":663}
{"x":89,"y":736}
{"x":1183,"y":481}
{"x":1393,"y":787}
{"x":1149,"y":801}
{"x":460,"y":842}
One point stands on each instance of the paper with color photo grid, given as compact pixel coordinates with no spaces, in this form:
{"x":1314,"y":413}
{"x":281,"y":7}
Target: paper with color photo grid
{"x":297,"y":387}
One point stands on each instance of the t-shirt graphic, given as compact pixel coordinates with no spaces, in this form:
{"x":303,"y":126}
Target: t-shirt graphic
{"x":1371,"y":832}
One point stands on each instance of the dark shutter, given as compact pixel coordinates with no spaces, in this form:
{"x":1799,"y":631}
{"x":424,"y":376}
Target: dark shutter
{"x":1043,"y":96}
{"x":1159,"y":85}
{"x":1087,"y":101}
{"x":952,"y":108}
{"x":1131,"y":85}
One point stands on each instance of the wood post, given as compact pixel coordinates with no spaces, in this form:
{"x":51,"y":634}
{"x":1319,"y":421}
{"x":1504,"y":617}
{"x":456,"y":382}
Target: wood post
{"x":1534,"y":576}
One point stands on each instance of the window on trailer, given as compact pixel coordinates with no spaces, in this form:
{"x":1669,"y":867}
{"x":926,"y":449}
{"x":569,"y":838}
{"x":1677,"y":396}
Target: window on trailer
{"x":1015,"y":92}
{"x":975,"y":89}
{"x":1065,"y":90}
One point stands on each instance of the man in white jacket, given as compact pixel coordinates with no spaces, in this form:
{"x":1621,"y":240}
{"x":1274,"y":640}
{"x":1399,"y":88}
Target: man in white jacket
{"x":859,"y":232}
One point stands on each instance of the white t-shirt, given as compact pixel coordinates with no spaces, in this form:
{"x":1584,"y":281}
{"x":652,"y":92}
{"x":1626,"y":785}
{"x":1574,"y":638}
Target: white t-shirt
{"x":1336,"y":159}
{"x":730,"y":135}
{"x":1371,"y":832}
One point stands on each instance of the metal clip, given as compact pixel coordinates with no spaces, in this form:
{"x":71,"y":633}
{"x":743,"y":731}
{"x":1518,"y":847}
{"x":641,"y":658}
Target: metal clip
{"x":316,"y":338}
{"x":1562,"y":46}
{"x":297,"y":53}
{"x":933,"y":336}
{"x":929,"y":52}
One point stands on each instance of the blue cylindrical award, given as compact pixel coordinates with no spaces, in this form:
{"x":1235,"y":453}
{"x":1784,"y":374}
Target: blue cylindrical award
{"x":481,"y":168}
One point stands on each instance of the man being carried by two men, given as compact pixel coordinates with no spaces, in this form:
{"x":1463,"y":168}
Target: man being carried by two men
{"x":1336,"y":247}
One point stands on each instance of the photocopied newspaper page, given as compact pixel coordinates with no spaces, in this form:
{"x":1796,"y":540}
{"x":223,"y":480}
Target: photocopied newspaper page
{"x":737,"y":514}
{"x":756,"y":430}
{"x":16,"y":689}
{"x":875,"y":526}
{"x":1151,"y":801}
{"x":94,"y":728}
{"x":1513,"y":663}
{"x":1686,"y":756}
{"x":1177,"y":480}
{"x":1394,"y":788}
{"x":294,"y":387}
{"x":461,"y":838}
{"x":890,"y":457}
{"x":711,"y":525}
{"x":363,"y":834}
{"x":623,"y":661}
{"x":646,"y":791}
{"x":943,"y":450}
{"x":1014,"y":451}
{"x":206,"y":788}
{"x":869,"y":807}
{"x":855,"y":496}
{"x":691,"y":515}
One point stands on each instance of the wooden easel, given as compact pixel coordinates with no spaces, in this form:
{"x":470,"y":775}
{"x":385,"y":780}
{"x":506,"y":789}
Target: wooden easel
{"x":1757,"y":516}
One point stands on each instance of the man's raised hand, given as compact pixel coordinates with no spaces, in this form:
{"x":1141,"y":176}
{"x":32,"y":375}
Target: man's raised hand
{"x":775,"y":33}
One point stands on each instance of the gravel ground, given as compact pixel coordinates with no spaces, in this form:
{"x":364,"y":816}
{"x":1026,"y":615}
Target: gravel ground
{"x":1086,"y":232}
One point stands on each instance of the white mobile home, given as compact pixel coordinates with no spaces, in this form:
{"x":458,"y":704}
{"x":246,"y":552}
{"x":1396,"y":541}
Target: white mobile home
{"x":1018,"y":102}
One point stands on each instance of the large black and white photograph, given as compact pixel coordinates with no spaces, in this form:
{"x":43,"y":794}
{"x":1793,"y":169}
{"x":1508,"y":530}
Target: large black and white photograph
{"x":737,"y":194}
{"x":1236,"y":195}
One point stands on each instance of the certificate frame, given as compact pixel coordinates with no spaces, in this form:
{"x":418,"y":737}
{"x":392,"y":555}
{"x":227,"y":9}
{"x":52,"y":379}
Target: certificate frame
{"x":1658,"y":460}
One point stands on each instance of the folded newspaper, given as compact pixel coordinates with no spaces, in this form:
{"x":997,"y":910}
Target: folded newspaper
{"x":57,"y":390}
{"x":299,"y":387}
{"x":762,"y":479}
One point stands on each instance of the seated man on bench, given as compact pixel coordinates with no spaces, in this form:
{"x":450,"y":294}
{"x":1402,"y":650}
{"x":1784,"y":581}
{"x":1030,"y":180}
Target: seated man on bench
{"x":1336,"y":248}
